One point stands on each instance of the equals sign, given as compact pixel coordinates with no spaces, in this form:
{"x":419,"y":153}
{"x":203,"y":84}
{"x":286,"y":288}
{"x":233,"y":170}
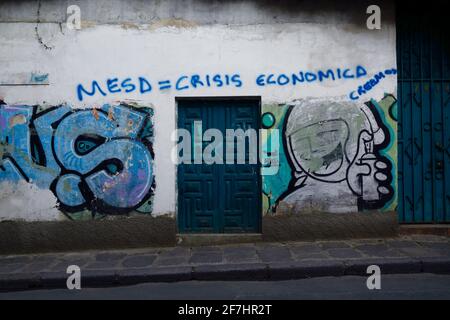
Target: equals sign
{"x":164,"y":84}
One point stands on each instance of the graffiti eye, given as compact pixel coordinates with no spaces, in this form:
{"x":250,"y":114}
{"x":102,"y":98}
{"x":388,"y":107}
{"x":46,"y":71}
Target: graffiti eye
{"x":112,"y":166}
{"x":87,"y":143}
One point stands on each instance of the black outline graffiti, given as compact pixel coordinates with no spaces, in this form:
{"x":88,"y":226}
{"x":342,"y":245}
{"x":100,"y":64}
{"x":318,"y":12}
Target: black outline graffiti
{"x":316,"y":175}
{"x":299,"y":180}
{"x":91,"y":203}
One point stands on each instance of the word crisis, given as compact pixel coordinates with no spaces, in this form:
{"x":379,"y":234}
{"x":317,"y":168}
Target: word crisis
{"x":143,"y":85}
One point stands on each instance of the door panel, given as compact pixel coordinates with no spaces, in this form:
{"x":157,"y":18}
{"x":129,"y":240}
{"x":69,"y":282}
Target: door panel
{"x":219,"y":197}
{"x":423,"y":53}
{"x":197,"y":184}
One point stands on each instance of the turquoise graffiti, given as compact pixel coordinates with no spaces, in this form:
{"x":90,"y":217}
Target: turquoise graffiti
{"x":274,"y":186}
{"x":100,"y":160}
{"x":336,"y":156}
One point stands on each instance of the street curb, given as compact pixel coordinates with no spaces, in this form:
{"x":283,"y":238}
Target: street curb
{"x":154,"y":274}
{"x":306,"y":269}
{"x":254,"y":271}
{"x":387,"y":266}
{"x":226,"y":272}
{"x":436,"y":265}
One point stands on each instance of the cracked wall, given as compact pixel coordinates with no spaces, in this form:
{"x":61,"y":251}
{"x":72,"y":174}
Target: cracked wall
{"x":148,"y":53}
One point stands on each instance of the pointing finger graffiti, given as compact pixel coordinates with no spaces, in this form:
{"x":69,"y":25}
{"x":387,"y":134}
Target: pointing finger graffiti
{"x":338,"y":147}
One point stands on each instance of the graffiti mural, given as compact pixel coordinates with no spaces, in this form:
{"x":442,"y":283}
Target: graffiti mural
{"x":99,"y":160}
{"x":337,"y":156}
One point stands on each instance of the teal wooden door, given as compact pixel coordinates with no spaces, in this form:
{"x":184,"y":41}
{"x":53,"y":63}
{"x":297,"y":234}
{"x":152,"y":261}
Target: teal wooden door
{"x":423,"y":53}
{"x":219,"y":198}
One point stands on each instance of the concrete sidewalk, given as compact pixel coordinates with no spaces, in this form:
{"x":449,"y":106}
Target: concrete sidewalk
{"x":259,"y":261}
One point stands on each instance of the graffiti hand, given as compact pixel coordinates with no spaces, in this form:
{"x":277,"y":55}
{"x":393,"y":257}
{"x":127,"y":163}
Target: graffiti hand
{"x":369,"y":174}
{"x":357,"y":168}
{"x":382,"y":177}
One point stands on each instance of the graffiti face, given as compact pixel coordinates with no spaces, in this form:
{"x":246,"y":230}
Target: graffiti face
{"x":318,"y":149}
{"x":338,"y":143}
{"x":319,"y":138}
{"x":101,"y":160}
{"x":335,"y":152}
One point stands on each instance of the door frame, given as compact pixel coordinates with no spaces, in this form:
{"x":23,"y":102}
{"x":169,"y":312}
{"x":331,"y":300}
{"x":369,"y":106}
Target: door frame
{"x":259,"y":180}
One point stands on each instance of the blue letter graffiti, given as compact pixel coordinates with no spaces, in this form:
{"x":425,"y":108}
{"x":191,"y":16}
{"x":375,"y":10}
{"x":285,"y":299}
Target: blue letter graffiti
{"x":101,"y":160}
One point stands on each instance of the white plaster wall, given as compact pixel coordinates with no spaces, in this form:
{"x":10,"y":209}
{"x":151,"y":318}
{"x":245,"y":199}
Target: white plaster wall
{"x":159,"y":52}
{"x":25,"y":201}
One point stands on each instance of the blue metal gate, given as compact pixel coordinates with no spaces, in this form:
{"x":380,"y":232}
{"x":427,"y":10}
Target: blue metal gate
{"x":423,"y":110}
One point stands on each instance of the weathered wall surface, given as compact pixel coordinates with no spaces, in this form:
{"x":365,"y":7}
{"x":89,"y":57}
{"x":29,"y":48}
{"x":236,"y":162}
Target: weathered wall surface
{"x":99,"y":160}
{"x":335,"y":156}
{"x":76,"y":99}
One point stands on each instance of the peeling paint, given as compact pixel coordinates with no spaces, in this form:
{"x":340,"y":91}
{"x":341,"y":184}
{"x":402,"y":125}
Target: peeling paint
{"x":176,"y":23}
{"x":17,"y":119}
{"x":95,"y":113}
{"x":111,"y":114}
{"x":130,"y":25}
{"x":39,"y":78}
{"x":103,"y":166}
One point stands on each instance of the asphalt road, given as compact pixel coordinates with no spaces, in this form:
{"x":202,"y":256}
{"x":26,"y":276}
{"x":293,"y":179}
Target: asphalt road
{"x":410,"y":286}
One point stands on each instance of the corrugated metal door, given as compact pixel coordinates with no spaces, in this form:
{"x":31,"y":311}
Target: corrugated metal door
{"x":424,"y":109}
